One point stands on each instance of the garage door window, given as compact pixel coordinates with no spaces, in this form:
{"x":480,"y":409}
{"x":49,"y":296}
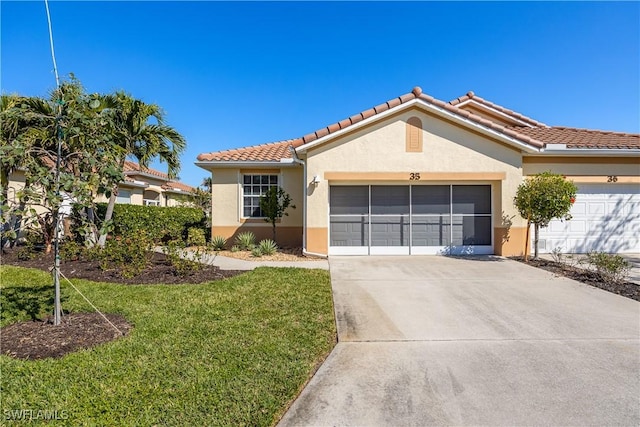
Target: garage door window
{"x":349,"y":211}
{"x":471,"y":218}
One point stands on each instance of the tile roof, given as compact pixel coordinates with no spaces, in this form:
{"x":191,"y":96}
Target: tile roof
{"x":131,"y":168}
{"x":583,"y":138}
{"x":175,"y":185}
{"x":271,"y":152}
{"x":536,"y":136}
{"x":472,"y":96}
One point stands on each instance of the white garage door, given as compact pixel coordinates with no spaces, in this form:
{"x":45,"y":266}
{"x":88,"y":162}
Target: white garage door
{"x":604,"y":218}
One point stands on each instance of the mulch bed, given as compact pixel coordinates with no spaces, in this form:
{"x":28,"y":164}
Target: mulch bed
{"x":158,"y":271}
{"x":626,"y":289}
{"x":40,"y":339}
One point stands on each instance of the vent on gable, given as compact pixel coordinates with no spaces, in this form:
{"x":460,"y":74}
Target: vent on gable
{"x":414,"y":135}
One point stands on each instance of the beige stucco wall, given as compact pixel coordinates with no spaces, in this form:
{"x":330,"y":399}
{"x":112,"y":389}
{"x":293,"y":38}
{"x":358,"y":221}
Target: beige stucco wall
{"x":227,"y":218}
{"x":447,"y":148}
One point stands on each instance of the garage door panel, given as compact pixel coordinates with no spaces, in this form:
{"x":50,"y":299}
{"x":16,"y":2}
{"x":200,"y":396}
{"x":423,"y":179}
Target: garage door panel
{"x":349,"y":231}
{"x":604,"y":218}
{"x":390,"y":231}
{"x":431,"y":231}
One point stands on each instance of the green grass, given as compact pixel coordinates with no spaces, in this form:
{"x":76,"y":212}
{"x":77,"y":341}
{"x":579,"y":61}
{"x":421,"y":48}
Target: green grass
{"x":233,"y":352}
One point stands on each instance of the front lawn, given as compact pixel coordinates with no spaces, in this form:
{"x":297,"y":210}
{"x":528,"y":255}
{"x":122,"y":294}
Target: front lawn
{"x":230,"y":352}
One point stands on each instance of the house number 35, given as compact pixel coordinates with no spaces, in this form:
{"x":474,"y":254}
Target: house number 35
{"x":414,"y":176}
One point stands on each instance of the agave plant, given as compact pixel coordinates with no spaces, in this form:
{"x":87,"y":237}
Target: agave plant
{"x":246,"y":240}
{"x":268,"y":247}
{"x":218,"y":243}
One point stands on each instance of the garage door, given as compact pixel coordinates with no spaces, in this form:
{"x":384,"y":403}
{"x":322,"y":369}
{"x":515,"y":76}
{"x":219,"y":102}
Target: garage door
{"x":604,"y":218}
{"x":410,"y":219}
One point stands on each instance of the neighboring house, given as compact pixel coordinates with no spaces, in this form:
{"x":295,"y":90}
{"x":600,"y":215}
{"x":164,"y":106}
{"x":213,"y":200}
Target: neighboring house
{"x":140,"y":187}
{"x":416,"y":175}
{"x":150,"y":187}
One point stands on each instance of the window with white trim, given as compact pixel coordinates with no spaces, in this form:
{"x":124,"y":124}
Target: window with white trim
{"x":253,"y":187}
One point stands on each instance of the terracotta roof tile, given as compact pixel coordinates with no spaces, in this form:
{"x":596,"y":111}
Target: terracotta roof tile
{"x":273,"y":151}
{"x":581,"y":138}
{"x":470,"y":95}
{"x":536,"y":136}
{"x":175,"y":185}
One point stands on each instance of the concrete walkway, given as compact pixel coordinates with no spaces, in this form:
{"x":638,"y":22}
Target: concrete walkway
{"x":475,"y":341}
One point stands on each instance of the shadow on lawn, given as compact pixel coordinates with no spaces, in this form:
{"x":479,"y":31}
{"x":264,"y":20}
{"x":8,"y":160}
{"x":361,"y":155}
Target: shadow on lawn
{"x":35,"y":301}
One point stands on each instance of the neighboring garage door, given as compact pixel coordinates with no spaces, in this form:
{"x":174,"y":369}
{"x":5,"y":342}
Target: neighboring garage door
{"x":604,"y":218}
{"x":410,"y":219}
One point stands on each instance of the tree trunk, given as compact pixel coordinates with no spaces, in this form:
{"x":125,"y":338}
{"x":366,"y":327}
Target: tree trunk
{"x":107,"y":216}
{"x":274,"y":231}
{"x":535,"y":240}
{"x":112,"y":202}
{"x":526,"y":242}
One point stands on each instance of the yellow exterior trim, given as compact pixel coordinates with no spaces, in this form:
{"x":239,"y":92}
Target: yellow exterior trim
{"x":604,"y":179}
{"x":415,"y":177}
{"x":318,"y":240}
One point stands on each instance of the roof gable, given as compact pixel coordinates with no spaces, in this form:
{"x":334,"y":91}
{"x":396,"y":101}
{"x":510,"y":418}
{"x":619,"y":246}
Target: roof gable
{"x":468,"y":110}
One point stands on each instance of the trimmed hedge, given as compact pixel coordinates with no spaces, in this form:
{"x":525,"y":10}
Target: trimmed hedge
{"x":159,"y":223}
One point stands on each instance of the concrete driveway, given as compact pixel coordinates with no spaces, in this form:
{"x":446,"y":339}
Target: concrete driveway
{"x":476,"y":341}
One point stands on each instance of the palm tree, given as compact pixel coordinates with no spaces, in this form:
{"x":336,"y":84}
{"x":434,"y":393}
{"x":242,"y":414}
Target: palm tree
{"x":136,"y":135}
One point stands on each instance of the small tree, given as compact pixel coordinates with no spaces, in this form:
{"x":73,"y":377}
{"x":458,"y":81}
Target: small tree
{"x":544,"y":197}
{"x":274,"y":204}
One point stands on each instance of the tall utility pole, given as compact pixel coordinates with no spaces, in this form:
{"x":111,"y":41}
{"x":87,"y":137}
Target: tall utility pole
{"x":57,"y":309}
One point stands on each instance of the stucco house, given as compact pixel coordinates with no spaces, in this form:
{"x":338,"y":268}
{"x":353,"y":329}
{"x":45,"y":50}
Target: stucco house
{"x":141,"y":186}
{"x":150,"y":187}
{"x":416,"y":175}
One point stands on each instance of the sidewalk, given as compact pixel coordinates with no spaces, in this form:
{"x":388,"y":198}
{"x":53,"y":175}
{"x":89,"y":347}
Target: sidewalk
{"x":227,"y":263}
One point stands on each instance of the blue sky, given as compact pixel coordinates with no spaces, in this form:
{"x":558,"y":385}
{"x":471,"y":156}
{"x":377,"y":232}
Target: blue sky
{"x":244,"y":73}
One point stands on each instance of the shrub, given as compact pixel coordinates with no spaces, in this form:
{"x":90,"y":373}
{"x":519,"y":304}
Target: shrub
{"x":235,"y":248}
{"x":130,"y":255}
{"x":195,"y":237}
{"x":557,"y":255}
{"x":175,"y":252}
{"x":612,"y":269}
{"x":246,"y":240}
{"x":70,"y":250}
{"x":218,"y":243}
{"x":268,"y":247}
{"x":160,"y":223}
{"x":256,"y":252}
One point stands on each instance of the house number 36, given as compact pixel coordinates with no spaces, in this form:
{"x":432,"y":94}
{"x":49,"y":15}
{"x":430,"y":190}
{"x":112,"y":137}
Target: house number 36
{"x":612,"y":178}
{"x":414,"y":176}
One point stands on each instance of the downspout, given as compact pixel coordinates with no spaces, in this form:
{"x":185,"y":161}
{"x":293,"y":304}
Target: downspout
{"x":297,"y":160}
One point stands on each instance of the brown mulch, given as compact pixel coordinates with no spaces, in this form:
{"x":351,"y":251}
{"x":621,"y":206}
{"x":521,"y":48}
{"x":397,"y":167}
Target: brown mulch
{"x":158,"y":271}
{"x":626,"y":289}
{"x":41,"y":339}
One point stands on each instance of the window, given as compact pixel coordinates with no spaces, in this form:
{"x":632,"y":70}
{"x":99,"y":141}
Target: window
{"x":151,"y":198}
{"x":254,"y":186}
{"x":123,"y":196}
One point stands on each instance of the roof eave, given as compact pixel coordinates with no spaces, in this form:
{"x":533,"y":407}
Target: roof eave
{"x":588,"y":152}
{"x":217,"y":164}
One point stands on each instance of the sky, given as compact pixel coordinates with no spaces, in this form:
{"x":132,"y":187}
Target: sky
{"x":234,"y":74}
